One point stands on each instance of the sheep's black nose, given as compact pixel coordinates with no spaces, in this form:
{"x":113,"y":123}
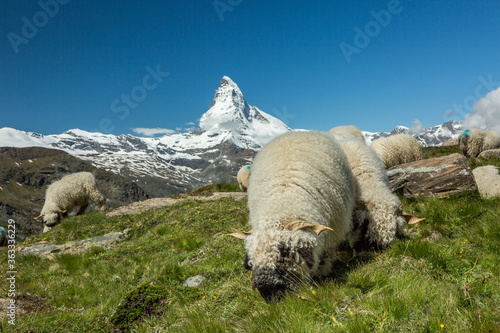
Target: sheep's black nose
{"x":272,"y":293}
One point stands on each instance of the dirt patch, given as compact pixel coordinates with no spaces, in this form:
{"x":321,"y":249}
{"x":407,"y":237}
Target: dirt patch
{"x":25,"y":304}
{"x":141,"y":206}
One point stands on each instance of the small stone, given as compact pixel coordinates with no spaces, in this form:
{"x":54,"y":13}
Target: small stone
{"x":193,"y":281}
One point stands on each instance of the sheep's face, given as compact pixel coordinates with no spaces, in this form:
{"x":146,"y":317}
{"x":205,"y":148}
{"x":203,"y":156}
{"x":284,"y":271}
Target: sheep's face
{"x":51,"y":219}
{"x":280,"y":260}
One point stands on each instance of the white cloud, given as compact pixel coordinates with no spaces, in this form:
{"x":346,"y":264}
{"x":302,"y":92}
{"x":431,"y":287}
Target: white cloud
{"x":190,"y":123}
{"x":152,"y":131}
{"x":417,"y":127}
{"x":486,"y":112}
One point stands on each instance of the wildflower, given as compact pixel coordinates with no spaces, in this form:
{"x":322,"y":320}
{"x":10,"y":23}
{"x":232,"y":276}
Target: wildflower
{"x":442,"y":325}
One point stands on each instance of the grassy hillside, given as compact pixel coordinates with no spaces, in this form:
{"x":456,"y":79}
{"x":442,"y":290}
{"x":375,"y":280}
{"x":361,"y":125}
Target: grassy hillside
{"x":444,"y":276}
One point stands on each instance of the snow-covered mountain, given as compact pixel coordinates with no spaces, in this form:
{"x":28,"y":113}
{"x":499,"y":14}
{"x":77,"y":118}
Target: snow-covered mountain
{"x":429,"y":136}
{"x":229,"y":134}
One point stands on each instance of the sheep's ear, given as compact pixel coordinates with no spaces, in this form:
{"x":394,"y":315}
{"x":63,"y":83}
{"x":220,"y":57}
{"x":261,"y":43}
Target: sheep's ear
{"x":39,"y":216}
{"x":411,"y":219}
{"x":296,"y":224}
{"x":240,"y":235}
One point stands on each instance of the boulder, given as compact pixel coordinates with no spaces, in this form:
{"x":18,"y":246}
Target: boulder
{"x":490,"y":153}
{"x":488,"y":181}
{"x":440,"y":176}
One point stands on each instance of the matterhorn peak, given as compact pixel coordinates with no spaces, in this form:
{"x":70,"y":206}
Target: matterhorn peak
{"x":246,"y":125}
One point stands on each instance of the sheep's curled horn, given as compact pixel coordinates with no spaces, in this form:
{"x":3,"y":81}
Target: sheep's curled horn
{"x":58,"y":212}
{"x":293,"y":225}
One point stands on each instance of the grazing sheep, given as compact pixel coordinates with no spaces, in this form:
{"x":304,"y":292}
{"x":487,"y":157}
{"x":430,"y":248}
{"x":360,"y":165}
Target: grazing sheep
{"x":301,"y":185}
{"x":71,"y":191}
{"x":487,"y":180}
{"x":347,"y":132}
{"x":243,"y":176}
{"x":474,"y":140}
{"x":397,"y":149}
{"x":375,"y":201}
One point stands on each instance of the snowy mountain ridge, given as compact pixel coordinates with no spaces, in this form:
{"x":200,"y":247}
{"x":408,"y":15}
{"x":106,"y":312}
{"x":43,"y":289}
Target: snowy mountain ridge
{"x":230,"y":133}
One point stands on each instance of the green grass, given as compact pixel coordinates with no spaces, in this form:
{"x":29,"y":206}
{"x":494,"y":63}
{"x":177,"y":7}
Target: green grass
{"x":431,"y":152}
{"x":415,"y":285}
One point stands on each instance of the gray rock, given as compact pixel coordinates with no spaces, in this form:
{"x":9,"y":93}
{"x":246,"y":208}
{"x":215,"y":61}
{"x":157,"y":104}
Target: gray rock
{"x":193,"y":281}
{"x":490,"y":153}
{"x":488,"y":181}
{"x":48,"y":250}
{"x":441,"y":176}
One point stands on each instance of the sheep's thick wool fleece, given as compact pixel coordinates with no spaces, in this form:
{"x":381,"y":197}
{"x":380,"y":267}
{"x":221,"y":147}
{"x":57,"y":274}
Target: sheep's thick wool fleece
{"x":373,"y":192}
{"x":475,"y":140}
{"x":397,"y":149}
{"x":72,"y":190}
{"x":302,"y":175}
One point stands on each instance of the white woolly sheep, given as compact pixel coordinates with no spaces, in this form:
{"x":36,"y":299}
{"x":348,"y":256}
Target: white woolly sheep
{"x":301,"y":185}
{"x":75,"y":190}
{"x":243,"y":176}
{"x":347,"y":132}
{"x":375,"y":201}
{"x":487,"y":180}
{"x":397,"y":149}
{"x":474,"y":140}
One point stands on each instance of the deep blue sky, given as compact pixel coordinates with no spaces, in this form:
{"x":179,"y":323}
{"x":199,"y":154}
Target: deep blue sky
{"x":284,"y":55}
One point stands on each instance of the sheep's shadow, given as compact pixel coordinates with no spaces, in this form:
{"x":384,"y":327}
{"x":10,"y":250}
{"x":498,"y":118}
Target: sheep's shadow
{"x":352,"y":254}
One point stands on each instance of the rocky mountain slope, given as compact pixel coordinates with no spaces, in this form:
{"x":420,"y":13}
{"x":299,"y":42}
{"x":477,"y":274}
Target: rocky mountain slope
{"x":428,"y":137}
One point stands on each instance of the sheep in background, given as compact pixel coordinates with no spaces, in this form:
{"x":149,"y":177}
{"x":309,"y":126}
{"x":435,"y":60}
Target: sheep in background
{"x":300,"y":201}
{"x":75,"y":190}
{"x":397,"y":149}
{"x":487,"y":180}
{"x":474,"y":140}
{"x":347,"y":132}
{"x":243,"y":176}
{"x":375,"y":201}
